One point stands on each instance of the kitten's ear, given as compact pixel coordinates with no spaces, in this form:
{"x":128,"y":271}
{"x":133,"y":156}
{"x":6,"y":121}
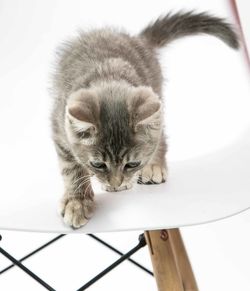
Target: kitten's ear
{"x":145,"y":107}
{"x":82,"y":112}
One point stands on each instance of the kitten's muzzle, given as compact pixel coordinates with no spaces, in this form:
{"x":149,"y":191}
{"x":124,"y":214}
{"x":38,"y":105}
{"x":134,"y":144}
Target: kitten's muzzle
{"x":116,"y":189}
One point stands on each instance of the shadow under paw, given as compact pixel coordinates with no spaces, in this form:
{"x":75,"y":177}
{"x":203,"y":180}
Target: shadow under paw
{"x":150,"y":182}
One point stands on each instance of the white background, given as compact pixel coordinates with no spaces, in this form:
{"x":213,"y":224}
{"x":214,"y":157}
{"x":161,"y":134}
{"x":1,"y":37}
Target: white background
{"x":29,"y":33}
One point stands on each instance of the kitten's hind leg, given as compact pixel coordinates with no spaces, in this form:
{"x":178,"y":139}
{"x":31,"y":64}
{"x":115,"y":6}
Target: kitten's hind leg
{"x":156,"y":171}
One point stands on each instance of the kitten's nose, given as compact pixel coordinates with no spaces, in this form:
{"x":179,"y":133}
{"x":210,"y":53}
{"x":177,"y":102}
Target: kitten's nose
{"x":115,"y":181}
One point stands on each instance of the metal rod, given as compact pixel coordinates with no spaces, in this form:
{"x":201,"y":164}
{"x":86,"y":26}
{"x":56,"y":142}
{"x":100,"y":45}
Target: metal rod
{"x":121,"y":254}
{"x":34,"y":252}
{"x":26,"y":270}
{"x":142,"y":243}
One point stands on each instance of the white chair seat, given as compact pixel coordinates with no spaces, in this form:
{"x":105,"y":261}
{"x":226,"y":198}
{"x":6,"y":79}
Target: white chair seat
{"x":209,"y":156}
{"x":199,"y":190}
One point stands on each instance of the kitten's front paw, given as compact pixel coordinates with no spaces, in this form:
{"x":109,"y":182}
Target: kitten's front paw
{"x":152,"y":174}
{"x":76,"y":212}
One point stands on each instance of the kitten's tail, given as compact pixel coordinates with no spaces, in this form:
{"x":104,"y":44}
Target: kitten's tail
{"x":172,"y":26}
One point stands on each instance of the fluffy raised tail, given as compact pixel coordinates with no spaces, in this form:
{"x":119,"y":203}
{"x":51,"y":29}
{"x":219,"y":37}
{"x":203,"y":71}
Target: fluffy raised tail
{"x":172,"y":26}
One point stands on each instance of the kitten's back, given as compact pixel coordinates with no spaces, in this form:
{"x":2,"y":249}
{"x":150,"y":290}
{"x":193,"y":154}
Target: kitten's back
{"x":90,"y":50}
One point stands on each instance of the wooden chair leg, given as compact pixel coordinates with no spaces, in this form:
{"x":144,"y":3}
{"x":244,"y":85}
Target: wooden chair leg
{"x":166,"y":272}
{"x":184,"y":266}
{"x":170,"y":262}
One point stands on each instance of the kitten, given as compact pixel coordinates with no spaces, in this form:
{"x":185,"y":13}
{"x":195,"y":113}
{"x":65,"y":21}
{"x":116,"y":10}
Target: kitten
{"x":107,"y":115}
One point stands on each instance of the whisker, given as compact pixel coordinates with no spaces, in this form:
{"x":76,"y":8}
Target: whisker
{"x":85,"y":192}
{"x":81,"y":185}
{"x":81,"y":178}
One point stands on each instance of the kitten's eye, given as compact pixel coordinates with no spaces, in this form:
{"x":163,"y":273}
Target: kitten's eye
{"x":98,"y":165}
{"x":132,"y":165}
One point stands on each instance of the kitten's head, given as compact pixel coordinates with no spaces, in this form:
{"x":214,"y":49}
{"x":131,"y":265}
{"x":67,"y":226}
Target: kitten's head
{"x":114,"y":130}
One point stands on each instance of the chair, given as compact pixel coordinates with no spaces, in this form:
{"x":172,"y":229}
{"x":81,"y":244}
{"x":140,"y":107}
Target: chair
{"x":202,"y":187}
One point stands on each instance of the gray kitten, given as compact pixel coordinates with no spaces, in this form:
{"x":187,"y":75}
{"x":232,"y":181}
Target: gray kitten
{"x":107,"y":115}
